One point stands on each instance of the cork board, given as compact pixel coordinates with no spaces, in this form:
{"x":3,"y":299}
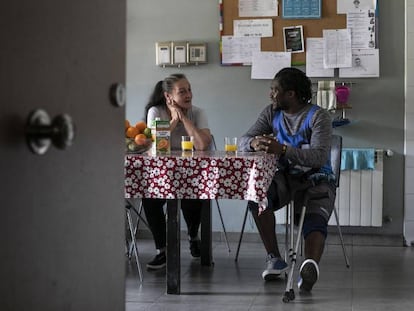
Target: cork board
{"x":311,"y":27}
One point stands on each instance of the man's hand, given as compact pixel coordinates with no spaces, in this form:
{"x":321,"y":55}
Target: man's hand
{"x":267,"y":144}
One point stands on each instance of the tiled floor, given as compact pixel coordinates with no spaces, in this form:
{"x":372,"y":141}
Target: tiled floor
{"x":380,"y":278}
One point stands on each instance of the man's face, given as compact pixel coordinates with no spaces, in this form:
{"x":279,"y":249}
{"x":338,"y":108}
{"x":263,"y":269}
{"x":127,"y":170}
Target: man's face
{"x":356,"y":3}
{"x":278,"y":96}
{"x":357,"y":62}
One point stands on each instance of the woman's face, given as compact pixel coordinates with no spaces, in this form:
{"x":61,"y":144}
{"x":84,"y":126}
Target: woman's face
{"x":181,"y":94}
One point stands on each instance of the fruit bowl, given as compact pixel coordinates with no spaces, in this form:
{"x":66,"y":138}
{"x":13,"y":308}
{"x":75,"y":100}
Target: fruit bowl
{"x":132,"y":147}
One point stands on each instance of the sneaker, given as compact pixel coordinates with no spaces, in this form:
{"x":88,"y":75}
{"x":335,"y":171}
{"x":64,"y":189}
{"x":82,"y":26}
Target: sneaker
{"x":195,"y":248}
{"x":158,"y":262}
{"x":309,"y":274}
{"x":274,"y":267}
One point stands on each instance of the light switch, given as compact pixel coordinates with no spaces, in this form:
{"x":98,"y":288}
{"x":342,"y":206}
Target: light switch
{"x":163,"y":53}
{"x":179,"y":53}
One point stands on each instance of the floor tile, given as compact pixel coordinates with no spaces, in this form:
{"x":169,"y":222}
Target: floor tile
{"x":379,"y":278}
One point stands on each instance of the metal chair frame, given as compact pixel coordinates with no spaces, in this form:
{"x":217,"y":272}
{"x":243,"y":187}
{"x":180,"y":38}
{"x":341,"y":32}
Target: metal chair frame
{"x":131,"y":247}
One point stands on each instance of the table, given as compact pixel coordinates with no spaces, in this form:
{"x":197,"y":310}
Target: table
{"x":203,"y":175}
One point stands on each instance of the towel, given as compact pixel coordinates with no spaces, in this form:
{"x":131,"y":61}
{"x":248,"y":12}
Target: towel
{"x":326,"y":96}
{"x":358,"y":159}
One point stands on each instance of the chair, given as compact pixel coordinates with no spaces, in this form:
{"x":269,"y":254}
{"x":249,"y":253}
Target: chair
{"x":336,"y":149}
{"x":218,"y":206}
{"x":131,"y":247}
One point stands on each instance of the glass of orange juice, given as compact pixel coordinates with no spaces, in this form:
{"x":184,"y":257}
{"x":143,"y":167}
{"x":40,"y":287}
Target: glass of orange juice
{"x":230,"y":145}
{"x":187,"y":143}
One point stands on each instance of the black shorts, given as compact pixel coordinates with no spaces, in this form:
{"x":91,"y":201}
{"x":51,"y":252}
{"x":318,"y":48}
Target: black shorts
{"x":319,"y":197}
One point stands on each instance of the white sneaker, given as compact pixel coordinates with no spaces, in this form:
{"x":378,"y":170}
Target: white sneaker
{"x":309,"y":274}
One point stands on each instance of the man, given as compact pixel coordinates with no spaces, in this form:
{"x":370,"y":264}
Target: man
{"x":299,"y":134}
{"x":358,"y":64}
{"x":356,"y":4}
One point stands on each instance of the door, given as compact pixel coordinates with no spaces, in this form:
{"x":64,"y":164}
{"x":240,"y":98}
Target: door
{"x":62,"y":215}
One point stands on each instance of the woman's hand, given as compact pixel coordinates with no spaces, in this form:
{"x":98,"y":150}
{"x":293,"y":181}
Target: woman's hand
{"x":177,"y":113}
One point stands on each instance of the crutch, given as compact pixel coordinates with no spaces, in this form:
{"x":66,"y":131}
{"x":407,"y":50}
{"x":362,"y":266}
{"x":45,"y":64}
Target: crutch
{"x":293,"y":250}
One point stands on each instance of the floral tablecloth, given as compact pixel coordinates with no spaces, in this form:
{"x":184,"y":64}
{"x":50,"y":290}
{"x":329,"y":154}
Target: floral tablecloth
{"x":204,"y":175}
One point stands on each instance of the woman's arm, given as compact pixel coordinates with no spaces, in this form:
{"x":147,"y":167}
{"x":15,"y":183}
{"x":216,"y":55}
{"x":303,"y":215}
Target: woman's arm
{"x":198,"y":128}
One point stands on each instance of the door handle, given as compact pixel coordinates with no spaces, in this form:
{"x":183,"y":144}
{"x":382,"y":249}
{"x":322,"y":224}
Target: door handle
{"x":41,"y":132}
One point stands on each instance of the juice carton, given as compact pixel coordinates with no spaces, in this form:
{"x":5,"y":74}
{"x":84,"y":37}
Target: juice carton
{"x":161,"y":134}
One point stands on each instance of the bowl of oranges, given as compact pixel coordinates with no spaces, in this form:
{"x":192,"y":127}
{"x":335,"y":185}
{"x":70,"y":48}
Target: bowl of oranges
{"x":138,"y":138}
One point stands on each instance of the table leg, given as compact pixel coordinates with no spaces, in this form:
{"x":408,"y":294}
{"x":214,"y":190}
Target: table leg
{"x":206,"y":233}
{"x":173,"y":248}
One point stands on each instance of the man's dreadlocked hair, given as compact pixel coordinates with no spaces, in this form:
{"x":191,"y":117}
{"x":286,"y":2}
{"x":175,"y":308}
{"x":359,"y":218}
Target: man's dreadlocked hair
{"x":293,"y":79}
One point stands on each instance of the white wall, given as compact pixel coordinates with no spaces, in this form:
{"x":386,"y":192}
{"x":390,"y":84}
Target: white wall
{"x":232,"y":100}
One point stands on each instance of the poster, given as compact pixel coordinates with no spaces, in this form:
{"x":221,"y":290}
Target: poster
{"x":293,"y":38}
{"x":302,"y":9}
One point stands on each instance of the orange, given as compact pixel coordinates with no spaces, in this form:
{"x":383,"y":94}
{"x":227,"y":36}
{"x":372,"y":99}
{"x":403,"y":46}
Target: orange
{"x":127,"y":124}
{"x":141,"y":126}
{"x":162,"y":144}
{"x":140,"y":139}
{"x":131,"y":132}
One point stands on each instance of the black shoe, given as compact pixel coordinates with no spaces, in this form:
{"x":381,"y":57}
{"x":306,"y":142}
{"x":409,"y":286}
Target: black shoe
{"x":195,"y":248}
{"x":158,"y":262}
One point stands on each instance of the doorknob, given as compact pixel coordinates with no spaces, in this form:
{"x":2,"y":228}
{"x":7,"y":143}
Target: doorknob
{"x":41,"y":132}
{"x":117,"y":94}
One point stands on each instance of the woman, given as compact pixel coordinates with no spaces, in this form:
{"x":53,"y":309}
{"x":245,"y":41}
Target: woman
{"x":172,"y":100}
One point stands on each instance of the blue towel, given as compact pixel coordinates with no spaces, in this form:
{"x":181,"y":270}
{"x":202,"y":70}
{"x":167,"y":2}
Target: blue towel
{"x":357,"y":159}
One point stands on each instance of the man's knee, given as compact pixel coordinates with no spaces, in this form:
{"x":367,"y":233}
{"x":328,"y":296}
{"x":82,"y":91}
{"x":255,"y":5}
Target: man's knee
{"x":315,"y":222}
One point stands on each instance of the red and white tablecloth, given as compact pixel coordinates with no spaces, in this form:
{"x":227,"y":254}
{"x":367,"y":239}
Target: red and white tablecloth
{"x":203,"y":175}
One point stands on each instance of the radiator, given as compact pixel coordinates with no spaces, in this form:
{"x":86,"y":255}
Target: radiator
{"x":358,"y":198}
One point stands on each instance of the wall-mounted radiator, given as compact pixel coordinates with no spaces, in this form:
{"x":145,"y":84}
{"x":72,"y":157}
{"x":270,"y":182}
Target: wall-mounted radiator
{"x":359,"y":197}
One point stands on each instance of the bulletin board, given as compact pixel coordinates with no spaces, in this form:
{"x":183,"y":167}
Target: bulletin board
{"x":311,"y":27}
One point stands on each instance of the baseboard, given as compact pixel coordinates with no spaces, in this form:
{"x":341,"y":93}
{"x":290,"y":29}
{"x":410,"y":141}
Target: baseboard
{"x":333,"y":238}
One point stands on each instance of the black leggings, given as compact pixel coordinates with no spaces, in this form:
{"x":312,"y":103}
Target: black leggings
{"x":156,"y":218}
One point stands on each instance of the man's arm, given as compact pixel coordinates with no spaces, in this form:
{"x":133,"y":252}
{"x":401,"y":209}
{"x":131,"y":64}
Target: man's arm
{"x":263,"y":125}
{"x":320,"y":143}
